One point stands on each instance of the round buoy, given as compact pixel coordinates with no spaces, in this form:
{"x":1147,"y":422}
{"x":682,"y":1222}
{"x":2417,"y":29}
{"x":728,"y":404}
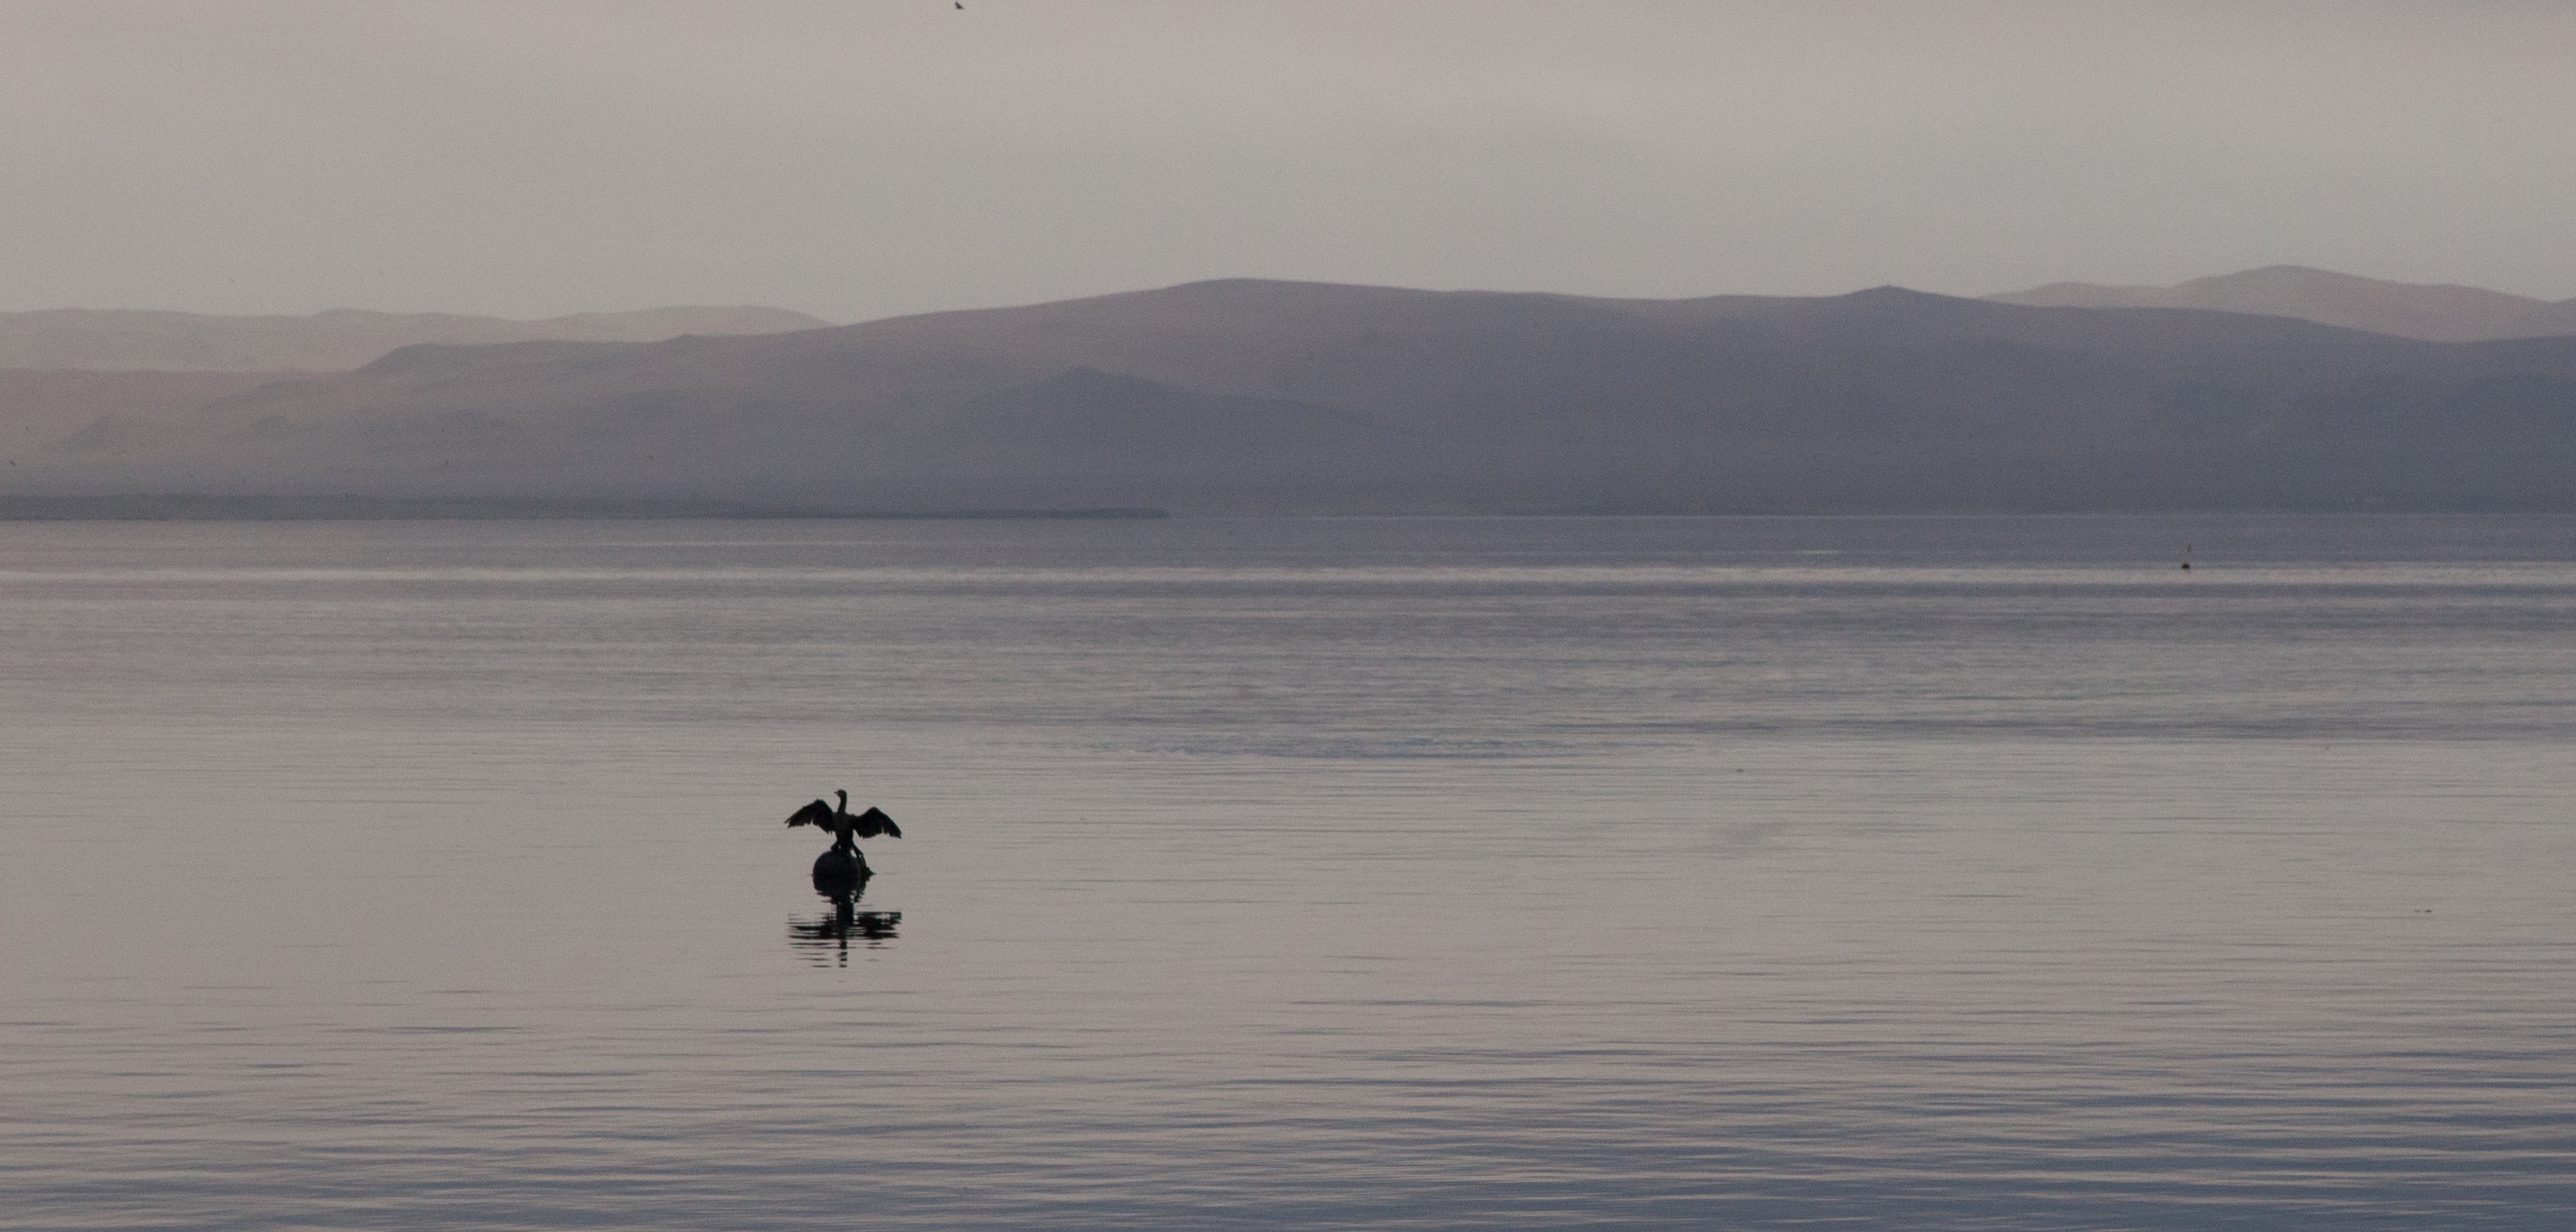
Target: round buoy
{"x":838,"y":871}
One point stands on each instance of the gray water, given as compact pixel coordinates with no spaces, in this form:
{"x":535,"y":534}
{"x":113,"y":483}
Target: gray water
{"x":1903,"y":873}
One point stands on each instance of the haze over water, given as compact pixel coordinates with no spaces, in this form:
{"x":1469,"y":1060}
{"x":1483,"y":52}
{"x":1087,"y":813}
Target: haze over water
{"x":1898,"y":872}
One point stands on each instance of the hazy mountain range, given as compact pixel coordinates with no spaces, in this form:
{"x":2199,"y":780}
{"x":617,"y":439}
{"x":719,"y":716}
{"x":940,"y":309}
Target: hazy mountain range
{"x":1295,"y":397}
{"x":115,"y":340}
{"x":2408,"y":310}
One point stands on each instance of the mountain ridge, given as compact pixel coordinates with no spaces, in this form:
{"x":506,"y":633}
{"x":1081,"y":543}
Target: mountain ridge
{"x":2433,"y":312}
{"x":340,"y":339}
{"x":1247,"y":396}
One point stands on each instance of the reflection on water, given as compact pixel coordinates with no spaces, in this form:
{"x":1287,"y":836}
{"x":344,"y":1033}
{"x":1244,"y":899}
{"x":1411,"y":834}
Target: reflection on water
{"x":841,"y":879}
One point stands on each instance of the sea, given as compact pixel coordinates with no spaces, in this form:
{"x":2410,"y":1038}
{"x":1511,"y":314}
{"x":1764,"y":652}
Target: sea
{"x":1802,"y":872}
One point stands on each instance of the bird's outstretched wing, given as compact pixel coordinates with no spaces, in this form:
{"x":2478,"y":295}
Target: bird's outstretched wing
{"x":874,"y":822}
{"x":816,"y":814}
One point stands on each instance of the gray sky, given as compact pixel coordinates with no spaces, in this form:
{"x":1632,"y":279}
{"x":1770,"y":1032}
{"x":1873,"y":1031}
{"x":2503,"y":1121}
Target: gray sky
{"x":861,"y":158}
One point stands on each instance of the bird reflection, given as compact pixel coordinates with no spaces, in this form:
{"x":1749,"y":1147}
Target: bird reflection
{"x":842,"y":881}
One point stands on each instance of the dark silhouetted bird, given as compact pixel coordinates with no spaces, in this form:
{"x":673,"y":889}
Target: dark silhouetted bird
{"x":845,"y":827}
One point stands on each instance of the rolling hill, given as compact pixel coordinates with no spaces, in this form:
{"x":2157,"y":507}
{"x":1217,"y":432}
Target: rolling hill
{"x":1252,"y":396}
{"x":2408,"y":310}
{"x":116,"y":340}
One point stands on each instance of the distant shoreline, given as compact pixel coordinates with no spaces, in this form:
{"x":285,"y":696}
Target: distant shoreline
{"x":206,"y":508}
{"x":197,"y":507}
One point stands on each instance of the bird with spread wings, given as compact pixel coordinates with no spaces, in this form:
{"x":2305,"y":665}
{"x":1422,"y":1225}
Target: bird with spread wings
{"x":845,"y":826}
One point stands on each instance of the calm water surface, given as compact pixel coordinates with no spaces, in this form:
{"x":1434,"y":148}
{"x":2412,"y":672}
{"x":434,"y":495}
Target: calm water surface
{"x":1904,"y":873}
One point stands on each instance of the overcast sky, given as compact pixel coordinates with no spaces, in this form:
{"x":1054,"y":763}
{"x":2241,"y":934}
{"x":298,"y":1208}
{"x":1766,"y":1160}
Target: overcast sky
{"x":862,"y":158}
